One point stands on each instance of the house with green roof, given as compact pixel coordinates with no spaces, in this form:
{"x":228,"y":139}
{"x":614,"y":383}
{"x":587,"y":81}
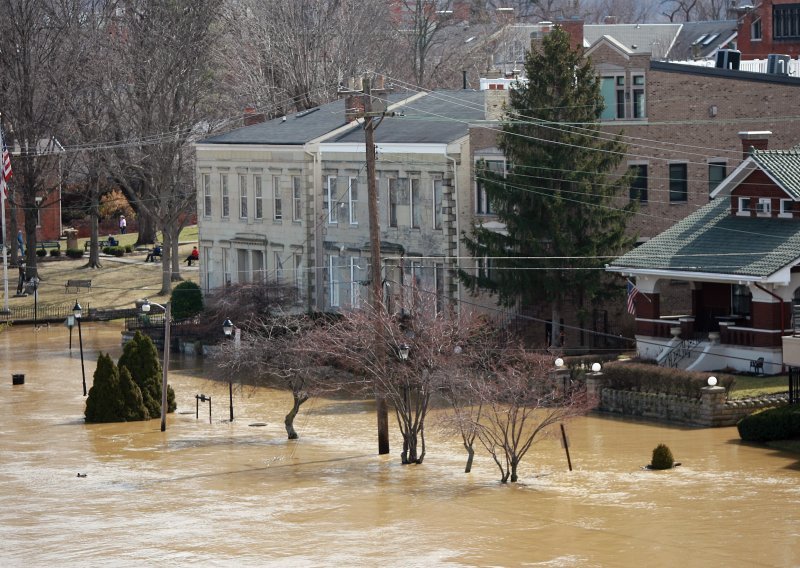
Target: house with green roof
{"x":740,"y":256}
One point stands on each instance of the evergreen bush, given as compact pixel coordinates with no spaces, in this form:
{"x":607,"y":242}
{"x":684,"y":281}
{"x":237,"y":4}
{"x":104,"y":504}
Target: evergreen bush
{"x":140,"y":358}
{"x":132,"y":397}
{"x":105,"y":402}
{"x":55,"y":253}
{"x":128,"y":249}
{"x":772,"y":424}
{"x":187,"y":300}
{"x":41,"y":253}
{"x":662,"y":458}
{"x":74,"y":253}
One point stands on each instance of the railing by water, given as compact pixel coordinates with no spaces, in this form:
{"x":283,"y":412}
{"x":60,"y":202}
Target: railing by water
{"x":42,"y":313}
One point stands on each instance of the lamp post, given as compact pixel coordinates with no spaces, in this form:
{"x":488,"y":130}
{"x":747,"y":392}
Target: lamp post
{"x":167,"y":316}
{"x":228,"y":329}
{"x":77,"y":312}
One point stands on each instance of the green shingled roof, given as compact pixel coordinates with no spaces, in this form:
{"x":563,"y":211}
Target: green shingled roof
{"x":712,"y":240}
{"x":783,"y":166}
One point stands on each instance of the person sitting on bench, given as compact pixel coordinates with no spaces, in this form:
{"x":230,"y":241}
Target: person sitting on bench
{"x":112,"y":242}
{"x":193,"y":256}
{"x":156,"y":252}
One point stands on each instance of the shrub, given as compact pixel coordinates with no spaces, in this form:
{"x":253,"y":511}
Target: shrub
{"x":55,"y":253}
{"x":106,"y":250}
{"x":662,"y":458}
{"x":128,"y":249}
{"x":75,"y":253}
{"x":115,"y":251}
{"x":140,"y":358}
{"x":187,"y":300}
{"x":104,"y":403}
{"x":41,"y":253}
{"x":640,"y":377}
{"x":772,"y":424}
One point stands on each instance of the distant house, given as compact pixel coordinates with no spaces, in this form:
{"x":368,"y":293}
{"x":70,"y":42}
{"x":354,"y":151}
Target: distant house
{"x":769,"y":27}
{"x":738,"y":258}
{"x":287,"y":200}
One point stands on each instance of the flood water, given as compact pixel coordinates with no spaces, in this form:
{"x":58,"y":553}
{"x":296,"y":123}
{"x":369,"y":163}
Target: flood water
{"x":225,"y":494}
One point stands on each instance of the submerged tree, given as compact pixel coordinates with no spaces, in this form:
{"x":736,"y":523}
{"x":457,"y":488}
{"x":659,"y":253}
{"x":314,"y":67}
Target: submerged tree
{"x":555,"y":196}
{"x":140,"y":358}
{"x":105,"y":402}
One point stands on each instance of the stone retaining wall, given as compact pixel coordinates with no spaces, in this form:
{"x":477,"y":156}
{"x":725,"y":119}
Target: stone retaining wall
{"x":711,"y":410}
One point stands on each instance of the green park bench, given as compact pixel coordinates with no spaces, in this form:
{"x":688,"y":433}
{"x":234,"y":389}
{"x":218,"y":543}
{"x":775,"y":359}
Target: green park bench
{"x":44,"y":245}
{"x":100,"y":243}
{"x":77,"y":284}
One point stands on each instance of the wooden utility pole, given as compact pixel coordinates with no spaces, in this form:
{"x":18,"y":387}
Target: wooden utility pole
{"x":376,"y":288}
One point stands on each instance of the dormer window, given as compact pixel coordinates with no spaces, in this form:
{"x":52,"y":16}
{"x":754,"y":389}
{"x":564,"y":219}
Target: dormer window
{"x":786,"y":208}
{"x":744,"y":207}
{"x":764,"y":207}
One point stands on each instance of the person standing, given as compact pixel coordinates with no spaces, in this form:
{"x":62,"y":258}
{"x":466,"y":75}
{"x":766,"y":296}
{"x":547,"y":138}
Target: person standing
{"x":21,"y":282}
{"x":20,"y":242}
{"x":123,"y":225}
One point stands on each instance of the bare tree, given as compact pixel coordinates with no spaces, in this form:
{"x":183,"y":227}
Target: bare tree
{"x":32,"y":66}
{"x":520,"y":399}
{"x":160,"y":79}
{"x":695,"y":10}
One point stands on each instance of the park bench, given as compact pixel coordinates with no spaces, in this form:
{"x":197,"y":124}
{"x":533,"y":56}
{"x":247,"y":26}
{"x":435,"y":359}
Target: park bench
{"x":100,"y":243}
{"x":77,"y":284}
{"x":48,"y":244}
{"x":153,"y":253}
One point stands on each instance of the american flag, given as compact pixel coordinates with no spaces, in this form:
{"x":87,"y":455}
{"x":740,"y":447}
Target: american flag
{"x":633,"y":291}
{"x":6,"y":164}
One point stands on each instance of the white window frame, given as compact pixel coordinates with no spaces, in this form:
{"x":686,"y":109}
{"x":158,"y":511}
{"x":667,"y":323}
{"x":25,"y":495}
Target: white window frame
{"x":330,"y":192}
{"x":783,"y":212}
{"x":224,"y":192}
{"x":205,"y":181}
{"x":277,"y":202}
{"x":764,"y":207}
{"x":352,"y":199}
{"x":242,"y":196}
{"x":355,"y":295}
{"x":414,"y":186}
{"x":333,"y":281}
{"x":481,"y":200}
{"x":297,"y":199}
{"x":278,"y":267}
{"x":438,"y":208}
{"x":393,"y":207}
{"x":298,"y":271}
{"x":258,"y":189}
{"x":743,"y":207}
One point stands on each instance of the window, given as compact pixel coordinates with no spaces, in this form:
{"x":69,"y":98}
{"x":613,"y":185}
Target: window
{"x":278,"y":268}
{"x":355,"y":282}
{"x":438,"y":186}
{"x":352,"y":199}
{"x":330,"y":200}
{"x":764,"y":207}
{"x":223,"y":188}
{"x":755,"y":30}
{"x":484,"y":265}
{"x":786,"y":21}
{"x":740,"y":300}
{"x":416,"y":204}
{"x":394,"y":188}
{"x":205,"y":181}
{"x":259,"y":270}
{"x":277,"y":203}
{"x":639,"y":109}
{"x":333,"y":280}
{"x":242,"y":196}
{"x":638,"y":189}
{"x":243,"y":265}
{"x":258,"y":188}
{"x":620,"y":96}
{"x":678,"y":183}
{"x":744,"y":207}
{"x":297,"y":203}
{"x":787,"y":208}
{"x":298,"y":271}
{"x":716,"y":173}
{"x":483,"y":205}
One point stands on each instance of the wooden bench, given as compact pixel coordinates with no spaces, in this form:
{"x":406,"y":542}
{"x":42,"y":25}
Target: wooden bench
{"x":48,"y":244}
{"x":152,"y":254}
{"x":77,"y":284}
{"x":100,"y":244}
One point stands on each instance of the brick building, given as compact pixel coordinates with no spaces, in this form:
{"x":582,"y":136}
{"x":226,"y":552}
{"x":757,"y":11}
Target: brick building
{"x":769,"y":26}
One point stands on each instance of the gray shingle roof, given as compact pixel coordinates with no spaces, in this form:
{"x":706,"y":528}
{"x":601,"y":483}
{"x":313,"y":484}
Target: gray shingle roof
{"x":701,"y":39}
{"x":783,"y":166}
{"x":648,"y":38}
{"x":437,"y":118}
{"x":712,"y":240}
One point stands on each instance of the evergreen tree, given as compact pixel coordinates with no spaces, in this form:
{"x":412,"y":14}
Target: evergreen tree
{"x":105,"y":402}
{"x":187,"y":300}
{"x":140,"y":357}
{"x":555,"y":198}
{"x":132,"y":397}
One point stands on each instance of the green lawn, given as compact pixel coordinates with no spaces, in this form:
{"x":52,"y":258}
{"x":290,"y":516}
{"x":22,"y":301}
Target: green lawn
{"x":188,"y":234}
{"x":748,"y":385}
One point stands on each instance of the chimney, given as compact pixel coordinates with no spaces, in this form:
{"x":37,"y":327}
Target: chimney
{"x":353,"y":107}
{"x":574,"y":28}
{"x":610,"y":20}
{"x":251,"y":116}
{"x":756,"y":139}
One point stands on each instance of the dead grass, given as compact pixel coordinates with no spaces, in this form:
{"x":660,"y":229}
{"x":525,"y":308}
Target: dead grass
{"x":118,"y":284}
{"x":747,"y":386}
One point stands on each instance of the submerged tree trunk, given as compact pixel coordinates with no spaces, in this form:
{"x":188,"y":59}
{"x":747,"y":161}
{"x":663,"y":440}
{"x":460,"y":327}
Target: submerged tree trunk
{"x":470,"y":456}
{"x":298,"y":399}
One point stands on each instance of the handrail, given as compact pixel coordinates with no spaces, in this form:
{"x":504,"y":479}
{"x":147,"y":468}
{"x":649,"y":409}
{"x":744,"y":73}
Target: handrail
{"x":678,"y":353}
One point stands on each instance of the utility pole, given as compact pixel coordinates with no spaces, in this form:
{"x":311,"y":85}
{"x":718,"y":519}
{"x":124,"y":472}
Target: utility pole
{"x":376,"y":288}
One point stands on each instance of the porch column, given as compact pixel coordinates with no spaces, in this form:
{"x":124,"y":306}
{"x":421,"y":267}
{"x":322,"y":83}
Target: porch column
{"x":648,"y":306}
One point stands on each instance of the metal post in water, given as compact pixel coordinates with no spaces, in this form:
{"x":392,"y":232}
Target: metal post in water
{"x":566,"y":445}
{"x":230,"y":393}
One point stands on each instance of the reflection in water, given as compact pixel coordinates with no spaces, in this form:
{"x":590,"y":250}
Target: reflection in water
{"x":232,"y":494}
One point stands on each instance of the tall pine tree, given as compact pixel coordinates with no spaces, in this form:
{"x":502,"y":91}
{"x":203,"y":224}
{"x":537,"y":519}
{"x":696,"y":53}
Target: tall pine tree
{"x":556,"y":197}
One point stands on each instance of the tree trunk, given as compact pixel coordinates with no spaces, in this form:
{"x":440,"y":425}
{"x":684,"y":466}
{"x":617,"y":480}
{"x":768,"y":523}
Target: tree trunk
{"x":30,"y":238}
{"x":166,"y":272}
{"x":470,"y":456}
{"x":175,"y":274}
{"x":289,"y":420}
{"x":94,"y":209}
{"x":147,"y":228}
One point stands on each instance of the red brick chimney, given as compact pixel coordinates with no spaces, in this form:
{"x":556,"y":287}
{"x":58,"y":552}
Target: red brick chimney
{"x":758,"y":139}
{"x":574,"y":28}
{"x":251,"y":116}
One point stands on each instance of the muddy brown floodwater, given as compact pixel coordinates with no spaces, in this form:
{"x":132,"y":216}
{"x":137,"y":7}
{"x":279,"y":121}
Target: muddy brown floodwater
{"x":225,"y":494}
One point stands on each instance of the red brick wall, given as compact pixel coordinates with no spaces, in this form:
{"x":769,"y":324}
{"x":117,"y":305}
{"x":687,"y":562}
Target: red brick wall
{"x":761,"y":49}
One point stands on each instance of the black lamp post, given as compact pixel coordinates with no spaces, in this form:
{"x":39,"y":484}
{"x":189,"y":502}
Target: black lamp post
{"x":227,"y":329}
{"x":77,"y":312}
{"x":165,"y":370}
{"x":35,"y":286}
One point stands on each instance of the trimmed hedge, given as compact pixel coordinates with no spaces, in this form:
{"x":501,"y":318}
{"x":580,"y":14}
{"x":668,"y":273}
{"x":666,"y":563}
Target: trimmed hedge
{"x":41,"y":253}
{"x":55,"y":252}
{"x":75,"y":253}
{"x":639,"y":377}
{"x":115,"y":251}
{"x":187,"y":300}
{"x":781,"y":423}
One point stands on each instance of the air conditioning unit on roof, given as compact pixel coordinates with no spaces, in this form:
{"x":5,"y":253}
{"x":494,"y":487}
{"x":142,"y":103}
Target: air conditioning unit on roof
{"x":778,"y":64}
{"x":728,"y":59}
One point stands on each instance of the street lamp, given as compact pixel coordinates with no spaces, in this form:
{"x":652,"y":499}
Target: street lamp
{"x":35,"y":287}
{"x":227,"y":329}
{"x":167,"y":316}
{"x":77,"y":312}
